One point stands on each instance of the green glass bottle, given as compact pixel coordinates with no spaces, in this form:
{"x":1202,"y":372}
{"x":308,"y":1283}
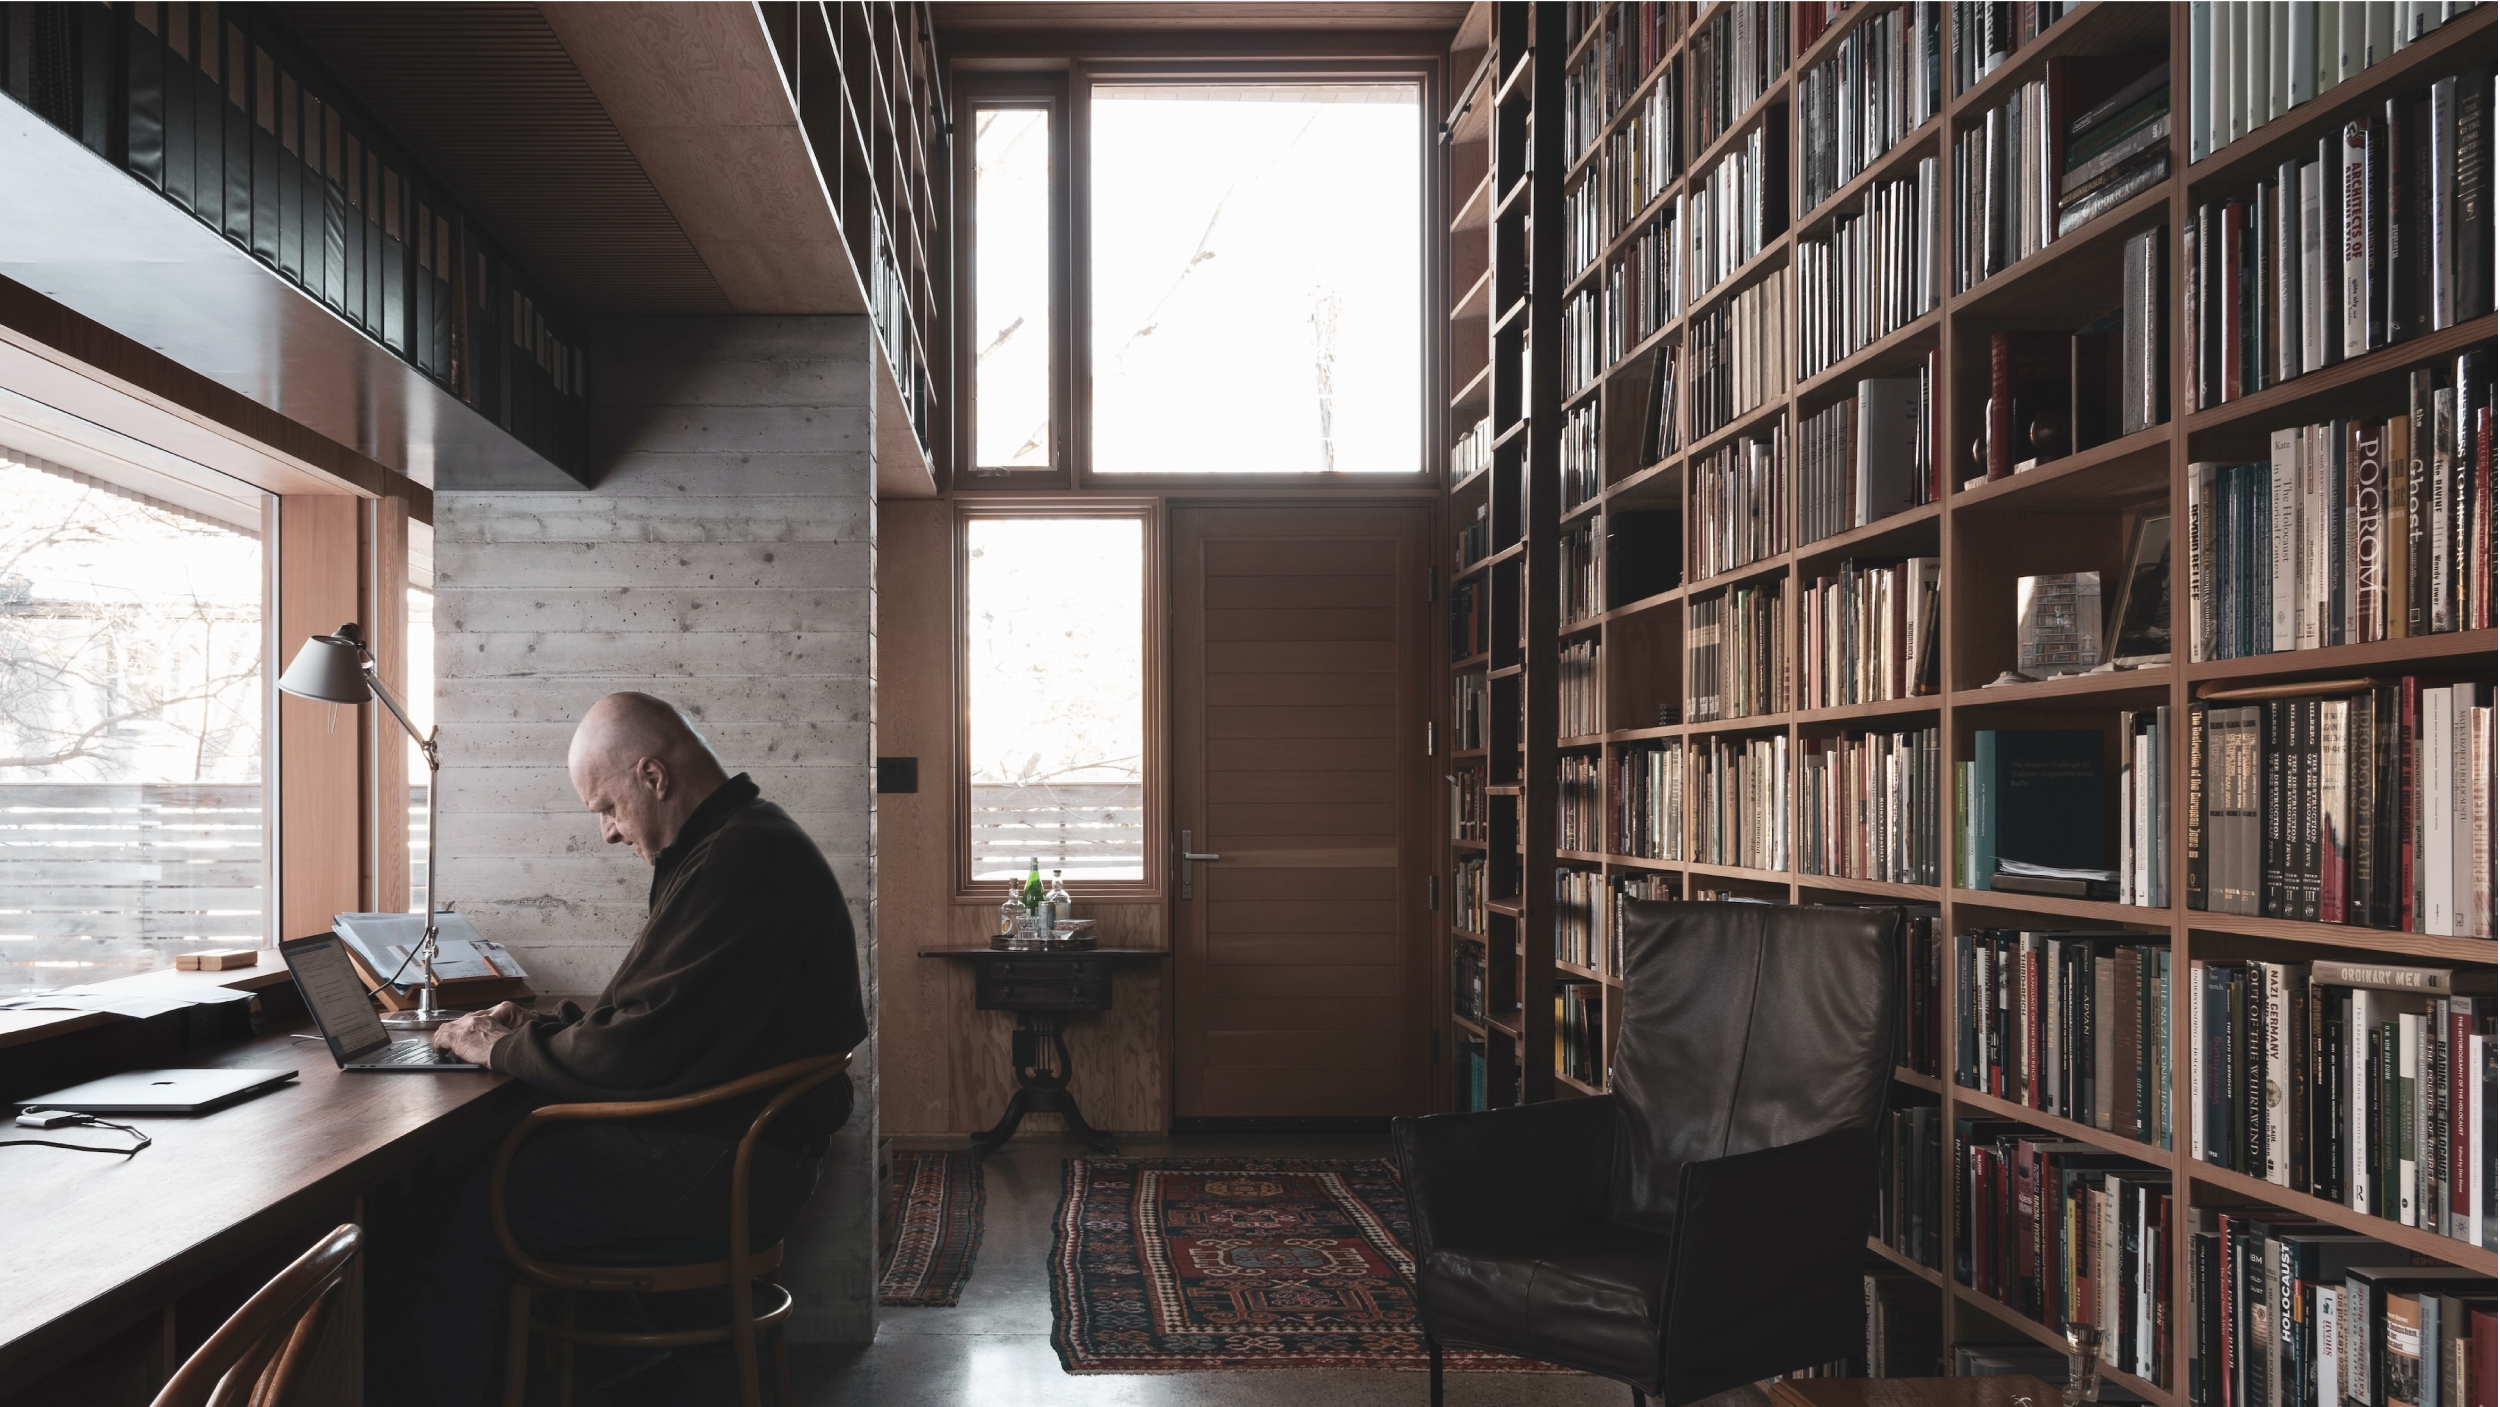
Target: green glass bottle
{"x":1033,"y":888}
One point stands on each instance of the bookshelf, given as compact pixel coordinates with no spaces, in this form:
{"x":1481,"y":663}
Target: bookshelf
{"x":1512,"y":62}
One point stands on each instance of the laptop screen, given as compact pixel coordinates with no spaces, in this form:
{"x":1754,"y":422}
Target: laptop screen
{"x":335,"y":994}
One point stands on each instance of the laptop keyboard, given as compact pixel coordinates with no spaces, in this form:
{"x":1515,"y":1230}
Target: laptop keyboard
{"x":407,"y":1052}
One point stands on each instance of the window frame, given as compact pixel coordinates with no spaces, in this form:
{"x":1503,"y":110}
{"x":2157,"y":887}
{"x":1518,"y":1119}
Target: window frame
{"x":1148,"y":513}
{"x":1046,"y":92}
{"x":1072,"y":306}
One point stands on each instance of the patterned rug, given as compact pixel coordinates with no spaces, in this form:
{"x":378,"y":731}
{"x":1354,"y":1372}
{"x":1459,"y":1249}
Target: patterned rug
{"x":1175,"y":1265}
{"x":936,"y":1201}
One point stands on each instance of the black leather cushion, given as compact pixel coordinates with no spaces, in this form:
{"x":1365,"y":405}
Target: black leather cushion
{"x":1589,"y":1297}
{"x":1745,"y":1026}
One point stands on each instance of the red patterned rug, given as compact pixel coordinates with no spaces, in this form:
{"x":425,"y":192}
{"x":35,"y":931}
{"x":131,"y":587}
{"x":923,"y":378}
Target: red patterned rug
{"x":1187,"y":1265}
{"x":936,"y":1202}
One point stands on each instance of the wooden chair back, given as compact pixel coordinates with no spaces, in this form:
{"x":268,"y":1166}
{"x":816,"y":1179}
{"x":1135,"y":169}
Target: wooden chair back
{"x":258,"y":1357}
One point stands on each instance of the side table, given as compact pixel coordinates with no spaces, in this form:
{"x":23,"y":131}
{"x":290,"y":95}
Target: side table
{"x":1044,"y":988}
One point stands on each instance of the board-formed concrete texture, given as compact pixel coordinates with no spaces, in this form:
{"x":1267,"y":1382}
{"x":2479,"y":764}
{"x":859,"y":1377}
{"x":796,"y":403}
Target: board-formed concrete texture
{"x":726,"y":561}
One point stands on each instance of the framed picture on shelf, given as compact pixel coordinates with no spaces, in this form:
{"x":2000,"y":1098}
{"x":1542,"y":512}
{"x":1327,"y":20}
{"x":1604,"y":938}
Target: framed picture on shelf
{"x":2139,"y":623}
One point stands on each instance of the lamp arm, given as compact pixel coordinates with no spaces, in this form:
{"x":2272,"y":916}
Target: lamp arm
{"x":382,"y":691}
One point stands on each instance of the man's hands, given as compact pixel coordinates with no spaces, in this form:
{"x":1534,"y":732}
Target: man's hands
{"x":472,"y":1037}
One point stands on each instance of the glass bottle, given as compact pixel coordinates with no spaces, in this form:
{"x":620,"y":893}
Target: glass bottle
{"x":1062,"y":908}
{"x":1033,"y":888}
{"x":1012,"y":911}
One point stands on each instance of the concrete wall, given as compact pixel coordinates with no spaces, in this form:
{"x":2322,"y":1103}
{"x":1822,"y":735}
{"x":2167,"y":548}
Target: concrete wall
{"x":726,"y":562}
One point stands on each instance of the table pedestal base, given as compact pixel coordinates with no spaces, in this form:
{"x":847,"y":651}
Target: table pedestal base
{"x":1041,"y":1087}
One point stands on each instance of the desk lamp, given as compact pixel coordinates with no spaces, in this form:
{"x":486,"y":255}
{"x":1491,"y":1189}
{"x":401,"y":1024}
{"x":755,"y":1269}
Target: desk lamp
{"x":338,"y":669}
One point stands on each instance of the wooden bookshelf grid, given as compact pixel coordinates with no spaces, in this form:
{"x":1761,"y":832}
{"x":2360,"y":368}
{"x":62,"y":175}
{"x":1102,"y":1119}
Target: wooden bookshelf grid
{"x":1506,"y":175}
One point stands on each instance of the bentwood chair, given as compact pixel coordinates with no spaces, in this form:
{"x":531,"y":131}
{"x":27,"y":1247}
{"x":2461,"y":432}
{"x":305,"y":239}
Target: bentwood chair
{"x":1702,"y":1225}
{"x":745,"y":1271}
{"x":258,"y":1356}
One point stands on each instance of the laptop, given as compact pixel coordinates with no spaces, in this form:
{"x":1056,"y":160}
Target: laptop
{"x":341,"y":1008}
{"x":164,"y":1091}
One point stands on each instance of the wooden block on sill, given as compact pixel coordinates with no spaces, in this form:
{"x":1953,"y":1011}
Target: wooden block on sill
{"x":217,"y":960}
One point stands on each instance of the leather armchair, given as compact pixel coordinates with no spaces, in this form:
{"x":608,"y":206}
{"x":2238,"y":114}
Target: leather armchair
{"x":1701,"y":1226}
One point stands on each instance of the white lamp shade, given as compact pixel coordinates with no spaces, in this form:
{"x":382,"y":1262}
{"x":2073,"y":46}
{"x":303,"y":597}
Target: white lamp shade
{"x":326,"y":670}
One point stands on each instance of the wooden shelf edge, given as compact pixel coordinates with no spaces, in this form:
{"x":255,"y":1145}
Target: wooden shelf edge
{"x":1830,"y":377}
{"x":2152,"y":1155}
{"x":2087,"y":910}
{"x":2016,"y":1318}
{"x":2395,"y":356}
{"x":2374,"y":655}
{"x":2431,"y":947}
{"x":2411,"y":1238}
{"x":1903,"y":1262}
{"x":2150,"y":443}
{"x":2244,"y":158}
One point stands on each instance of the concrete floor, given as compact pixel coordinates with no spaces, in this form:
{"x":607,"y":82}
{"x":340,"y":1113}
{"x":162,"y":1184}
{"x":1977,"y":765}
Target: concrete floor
{"x":994,"y":1347}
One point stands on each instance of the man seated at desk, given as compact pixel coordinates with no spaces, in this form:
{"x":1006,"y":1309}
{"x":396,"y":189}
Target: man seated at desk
{"x":747,"y":961}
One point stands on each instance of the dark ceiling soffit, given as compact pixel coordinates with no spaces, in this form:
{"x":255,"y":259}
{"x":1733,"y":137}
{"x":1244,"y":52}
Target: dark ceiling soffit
{"x":486,"y":97}
{"x":980,"y":48}
{"x":959,"y":16}
{"x":107,"y":248}
{"x":90,"y":343}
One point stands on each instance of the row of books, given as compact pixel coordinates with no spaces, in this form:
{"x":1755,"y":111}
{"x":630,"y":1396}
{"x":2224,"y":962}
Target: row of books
{"x":1734,"y":60}
{"x":1645,"y":284}
{"x":1637,"y":36}
{"x":1921,"y":984}
{"x":1579,"y":691}
{"x":2352,"y":530}
{"x":1647,"y":812}
{"x":1740,"y":503}
{"x":1475,"y":540}
{"x":2249,"y":63}
{"x":1579,"y":803}
{"x":1472,"y":1093}
{"x":1873,"y":273}
{"x":1469,"y":712}
{"x":1472,"y":453}
{"x":1870,"y":804}
{"x":1582,"y":589}
{"x":1641,"y":161}
{"x":2366,"y":1084}
{"x":1467,"y":986}
{"x":2067,"y":1234}
{"x":1904,"y":1327}
{"x":2309,"y":1315}
{"x":2086,"y":136}
{"x":1583,"y":336}
{"x":1467,"y":807}
{"x":2144,"y":807}
{"x":2369,"y":805}
{"x":1736,"y":653}
{"x":1580,"y":1032}
{"x":1582,"y":472}
{"x":1631,"y":886}
{"x":1576,"y":897}
{"x":1909,"y":1187}
{"x":1468,"y":894}
{"x":1662,"y":413}
{"x":1870,"y":455}
{"x":2382,"y":236}
{"x":1741,"y":802}
{"x":1469,"y":627}
{"x":1986,"y":34}
{"x":1738,"y":207}
{"x":2027,"y":811}
{"x":2072,"y":1024}
{"x":1869,"y":631}
{"x":1881,"y":83}
{"x":1738,"y":353}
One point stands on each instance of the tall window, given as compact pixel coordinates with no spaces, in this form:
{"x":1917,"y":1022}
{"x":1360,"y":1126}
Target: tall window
{"x":131,"y":730}
{"x":1056,"y":688}
{"x":1011,"y":287}
{"x":1256,"y":278}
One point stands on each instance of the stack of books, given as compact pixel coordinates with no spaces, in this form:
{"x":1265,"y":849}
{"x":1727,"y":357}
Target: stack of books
{"x":1579,"y":805}
{"x":1467,"y":895}
{"x":2351,"y":530}
{"x":2251,"y":63}
{"x":1579,"y":456}
{"x":1879,"y":85}
{"x":1741,"y":802}
{"x":1575,"y":918}
{"x":1467,"y":813}
{"x":2117,"y":150}
{"x":1739,"y":352}
{"x":2071,"y":1024}
{"x":2067,"y":1234}
{"x":1735,"y":654}
{"x":1579,"y":690}
{"x":1875,"y":271}
{"x":2368,"y":806}
{"x":1871,"y":804}
{"x":2027,"y":813}
{"x":1648,"y":794}
{"x":1467,"y":712}
{"x":2082,"y":138}
{"x":2382,"y":234}
{"x":1869,"y":633}
{"x":1740,"y":503}
{"x":1865,"y":458}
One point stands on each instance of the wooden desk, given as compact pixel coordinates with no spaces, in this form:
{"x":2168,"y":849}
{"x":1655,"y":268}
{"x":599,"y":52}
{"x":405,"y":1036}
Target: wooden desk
{"x":1043,"y":987}
{"x":94,"y":1244}
{"x":1913,"y":1392}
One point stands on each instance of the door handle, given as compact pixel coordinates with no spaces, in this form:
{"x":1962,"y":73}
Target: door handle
{"x":1189,"y":888}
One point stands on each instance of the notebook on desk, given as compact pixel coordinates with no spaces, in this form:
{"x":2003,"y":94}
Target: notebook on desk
{"x":341,"y":1008}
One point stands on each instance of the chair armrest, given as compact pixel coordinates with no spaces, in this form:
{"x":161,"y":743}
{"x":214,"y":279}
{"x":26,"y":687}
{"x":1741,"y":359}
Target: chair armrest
{"x":1765,"y":1274}
{"x":1505,"y":1173}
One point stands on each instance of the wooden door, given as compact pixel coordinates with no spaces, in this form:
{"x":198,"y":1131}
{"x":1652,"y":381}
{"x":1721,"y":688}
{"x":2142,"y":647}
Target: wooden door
{"x":1298,"y":755}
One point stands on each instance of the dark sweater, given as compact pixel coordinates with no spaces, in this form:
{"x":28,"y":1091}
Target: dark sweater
{"x":747,"y":961}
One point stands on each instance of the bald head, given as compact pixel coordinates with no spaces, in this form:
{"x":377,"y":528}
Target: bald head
{"x":638,"y":766}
